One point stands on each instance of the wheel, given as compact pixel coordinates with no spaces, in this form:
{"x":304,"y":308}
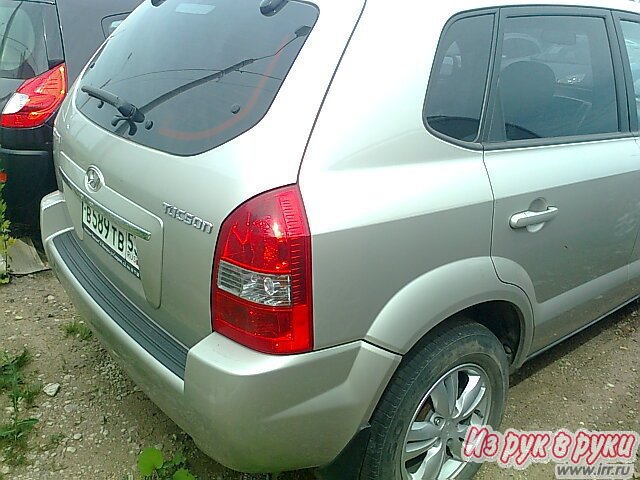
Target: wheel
{"x":455,"y":377}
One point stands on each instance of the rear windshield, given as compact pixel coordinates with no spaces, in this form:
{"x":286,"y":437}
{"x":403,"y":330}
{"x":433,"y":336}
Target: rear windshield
{"x":23,"y":51}
{"x":201,"y":72}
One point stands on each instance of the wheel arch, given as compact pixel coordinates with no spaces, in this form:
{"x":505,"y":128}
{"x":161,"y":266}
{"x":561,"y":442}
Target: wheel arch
{"x":468,"y":288}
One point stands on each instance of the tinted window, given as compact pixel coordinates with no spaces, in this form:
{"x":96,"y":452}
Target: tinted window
{"x":23,"y":52}
{"x":562,"y":84}
{"x":202,"y":71}
{"x":631,"y":33}
{"x":459,"y":77}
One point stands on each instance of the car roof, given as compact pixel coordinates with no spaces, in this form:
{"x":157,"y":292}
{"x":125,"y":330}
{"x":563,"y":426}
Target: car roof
{"x":461,"y":5}
{"x":82,"y":35}
{"x":628,"y":5}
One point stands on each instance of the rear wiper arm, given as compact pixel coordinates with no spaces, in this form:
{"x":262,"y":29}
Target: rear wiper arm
{"x":302,"y":31}
{"x":128,"y":111}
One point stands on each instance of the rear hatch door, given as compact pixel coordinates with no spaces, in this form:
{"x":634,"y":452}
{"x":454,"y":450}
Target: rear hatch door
{"x":229,"y":92}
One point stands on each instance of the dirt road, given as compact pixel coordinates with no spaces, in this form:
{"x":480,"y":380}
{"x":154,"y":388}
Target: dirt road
{"x":99,"y":421}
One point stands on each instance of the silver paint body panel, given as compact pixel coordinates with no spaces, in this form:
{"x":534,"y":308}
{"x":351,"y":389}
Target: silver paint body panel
{"x":407,"y":230}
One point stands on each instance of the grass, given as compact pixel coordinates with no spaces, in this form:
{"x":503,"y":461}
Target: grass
{"x":5,"y":238}
{"x":77,"y":329}
{"x":29,"y":392}
{"x":21,"y":393}
{"x":153,"y":465}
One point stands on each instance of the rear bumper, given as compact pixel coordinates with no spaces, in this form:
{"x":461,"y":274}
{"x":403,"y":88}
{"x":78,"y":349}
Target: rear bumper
{"x":249,"y":411}
{"x":26,"y":154}
{"x":30,"y":176}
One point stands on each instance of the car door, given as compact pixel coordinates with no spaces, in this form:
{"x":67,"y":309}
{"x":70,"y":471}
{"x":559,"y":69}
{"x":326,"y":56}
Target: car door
{"x":563,"y":166}
{"x":628,"y":28}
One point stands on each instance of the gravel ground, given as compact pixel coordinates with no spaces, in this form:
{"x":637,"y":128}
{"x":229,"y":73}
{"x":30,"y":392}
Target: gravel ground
{"x":98,"y":422}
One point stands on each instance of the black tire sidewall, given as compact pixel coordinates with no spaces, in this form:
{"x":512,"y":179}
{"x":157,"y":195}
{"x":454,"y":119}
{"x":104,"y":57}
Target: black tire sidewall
{"x":467,"y":343}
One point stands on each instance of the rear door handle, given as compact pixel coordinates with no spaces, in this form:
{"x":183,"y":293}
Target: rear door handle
{"x":528,"y":218}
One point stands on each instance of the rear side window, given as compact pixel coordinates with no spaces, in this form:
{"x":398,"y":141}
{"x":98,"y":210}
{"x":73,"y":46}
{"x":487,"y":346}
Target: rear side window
{"x":459,"y":77}
{"x":202,"y":72}
{"x":556,"y":79}
{"x":23,"y":49}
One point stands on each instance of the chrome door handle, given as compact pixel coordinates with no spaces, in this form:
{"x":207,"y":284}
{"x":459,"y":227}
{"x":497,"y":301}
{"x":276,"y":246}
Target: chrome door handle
{"x":528,"y":218}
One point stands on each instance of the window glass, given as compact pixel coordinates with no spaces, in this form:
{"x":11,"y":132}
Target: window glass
{"x":556,"y":79}
{"x":23,"y":52}
{"x":459,"y":77}
{"x":201,"y":72}
{"x":631,"y":33}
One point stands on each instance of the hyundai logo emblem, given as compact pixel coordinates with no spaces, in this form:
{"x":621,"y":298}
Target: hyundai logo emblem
{"x":93,"y":179}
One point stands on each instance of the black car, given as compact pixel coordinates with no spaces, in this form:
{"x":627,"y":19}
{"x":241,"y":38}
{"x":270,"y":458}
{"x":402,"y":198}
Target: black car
{"x":43,"y":47}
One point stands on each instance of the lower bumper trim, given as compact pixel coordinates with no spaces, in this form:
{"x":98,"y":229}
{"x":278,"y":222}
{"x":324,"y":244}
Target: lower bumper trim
{"x":162,"y":346}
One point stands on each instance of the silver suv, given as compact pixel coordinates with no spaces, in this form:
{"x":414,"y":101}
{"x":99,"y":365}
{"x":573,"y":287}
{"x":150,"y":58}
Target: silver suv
{"x":323,"y":234}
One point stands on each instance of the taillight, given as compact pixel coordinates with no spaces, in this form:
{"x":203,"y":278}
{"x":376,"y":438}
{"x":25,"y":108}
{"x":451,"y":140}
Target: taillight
{"x":36,"y":100}
{"x":262,"y":275}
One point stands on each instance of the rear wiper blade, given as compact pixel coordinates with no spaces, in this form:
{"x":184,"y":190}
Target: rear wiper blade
{"x":302,"y":31}
{"x":128,"y":111}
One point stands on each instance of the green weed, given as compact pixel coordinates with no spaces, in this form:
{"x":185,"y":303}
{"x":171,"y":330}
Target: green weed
{"x":11,"y":370}
{"x":77,"y":329}
{"x":5,"y":238}
{"x":152,"y":465}
{"x":13,"y":433}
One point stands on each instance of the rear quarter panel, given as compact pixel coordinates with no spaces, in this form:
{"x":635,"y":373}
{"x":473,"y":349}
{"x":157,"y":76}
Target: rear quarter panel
{"x":401,"y":220}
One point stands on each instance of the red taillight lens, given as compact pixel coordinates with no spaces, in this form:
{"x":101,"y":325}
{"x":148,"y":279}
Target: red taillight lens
{"x":262,"y":275}
{"x":36,"y":100}
{"x":3,"y":177}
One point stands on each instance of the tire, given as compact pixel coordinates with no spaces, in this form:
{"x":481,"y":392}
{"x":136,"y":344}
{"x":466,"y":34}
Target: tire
{"x":465,"y":353}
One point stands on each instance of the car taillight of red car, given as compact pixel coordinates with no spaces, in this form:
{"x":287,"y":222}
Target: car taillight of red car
{"x":36,"y":100}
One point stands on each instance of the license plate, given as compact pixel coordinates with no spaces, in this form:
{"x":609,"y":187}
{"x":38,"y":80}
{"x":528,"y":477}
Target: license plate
{"x":111,"y":237}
